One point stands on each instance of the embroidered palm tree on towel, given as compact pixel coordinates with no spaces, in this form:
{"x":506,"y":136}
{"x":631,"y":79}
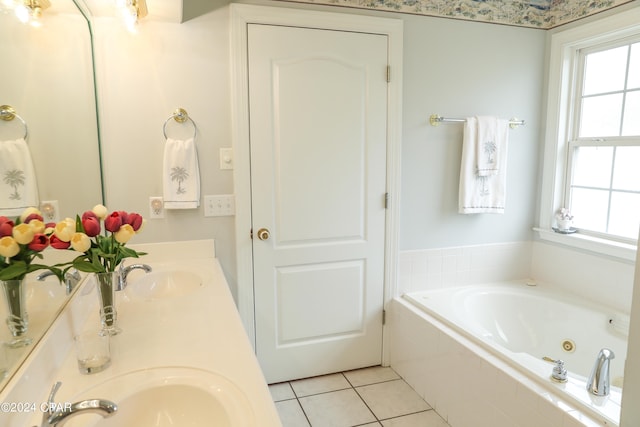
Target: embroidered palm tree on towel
{"x":179,"y":174}
{"x":490,"y":149}
{"x":14,"y":178}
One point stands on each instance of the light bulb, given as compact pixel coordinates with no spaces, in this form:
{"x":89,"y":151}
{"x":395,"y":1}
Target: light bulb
{"x":23,"y":13}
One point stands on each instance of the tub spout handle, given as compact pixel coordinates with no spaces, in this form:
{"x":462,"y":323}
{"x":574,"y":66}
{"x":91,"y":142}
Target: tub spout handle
{"x":559,"y":372}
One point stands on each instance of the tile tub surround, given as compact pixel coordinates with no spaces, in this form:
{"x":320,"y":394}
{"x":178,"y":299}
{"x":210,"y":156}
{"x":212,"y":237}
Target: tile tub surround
{"x":597,"y":278}
{"x":467,"y":385}
{"x":374,"y":396}
{"x":426,"y":269}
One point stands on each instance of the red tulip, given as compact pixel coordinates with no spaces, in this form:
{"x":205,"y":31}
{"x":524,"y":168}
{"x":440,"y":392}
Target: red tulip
{"x":6,"y":226}
{"x":56,"y":243}
{"x":91,"y":226}
{"x":89,"y":214}
{"x":31,"y":217}
{"x":134,"y":220}
{"x":125,"y":217}
{"x":113,"y":222}
{"x":39,"y":242}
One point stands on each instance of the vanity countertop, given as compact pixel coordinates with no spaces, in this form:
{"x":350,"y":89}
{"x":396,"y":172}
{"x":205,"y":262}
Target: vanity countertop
{"x":198,"y":329}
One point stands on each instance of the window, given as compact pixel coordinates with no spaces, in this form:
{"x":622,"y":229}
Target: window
{"x":603,"y":179}
{"x":591,"y":159}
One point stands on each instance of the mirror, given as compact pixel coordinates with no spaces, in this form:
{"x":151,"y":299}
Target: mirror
{"x":47,"y":76}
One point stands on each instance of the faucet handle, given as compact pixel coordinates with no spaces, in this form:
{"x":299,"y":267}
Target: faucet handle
{"x":559,"y":372}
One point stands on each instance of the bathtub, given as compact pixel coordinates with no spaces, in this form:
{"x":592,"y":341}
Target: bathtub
{"x":514,"y":326}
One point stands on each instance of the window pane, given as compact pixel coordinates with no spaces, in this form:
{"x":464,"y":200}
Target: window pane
{"x":631,"y":125}
{"x":626,"y":173}
{"x":634,"y":68}
{"x":625,"y":214}
{"x":605,"y":71}
{"x":601,"y":116}
{"x":589,"y":209}
{"x":592,"y":166}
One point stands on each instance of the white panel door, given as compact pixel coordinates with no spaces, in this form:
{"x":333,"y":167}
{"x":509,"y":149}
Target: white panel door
{"x":318,"y":117}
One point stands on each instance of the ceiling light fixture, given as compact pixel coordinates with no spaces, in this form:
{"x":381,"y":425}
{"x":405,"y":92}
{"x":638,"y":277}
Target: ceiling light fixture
{"x":130,"y":11}
{"x":30,"y":11}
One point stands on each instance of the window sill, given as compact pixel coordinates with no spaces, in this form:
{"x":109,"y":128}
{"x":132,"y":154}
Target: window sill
{"x":588,"y":243}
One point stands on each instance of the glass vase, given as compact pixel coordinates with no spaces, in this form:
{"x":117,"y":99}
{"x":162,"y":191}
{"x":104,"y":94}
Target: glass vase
{"x":106,"y":284}
{"x":17,"y":318}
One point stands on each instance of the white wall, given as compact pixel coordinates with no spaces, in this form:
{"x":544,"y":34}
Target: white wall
{"x":142,"y":78}
{"x":459,"y":69}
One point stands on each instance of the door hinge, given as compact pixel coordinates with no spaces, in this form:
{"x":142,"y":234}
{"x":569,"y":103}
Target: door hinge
{"x":388,"y":73}
{"x":386,"y":200}
{"x":384,"y":317}
{"x":251,"y":234}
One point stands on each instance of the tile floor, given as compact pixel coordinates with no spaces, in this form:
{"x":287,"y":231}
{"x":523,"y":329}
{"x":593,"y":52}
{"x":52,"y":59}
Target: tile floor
{"x":369,"y":397}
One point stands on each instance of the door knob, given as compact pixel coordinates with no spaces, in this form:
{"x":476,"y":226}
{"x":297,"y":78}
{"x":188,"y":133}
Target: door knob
{"x":263,"y":234}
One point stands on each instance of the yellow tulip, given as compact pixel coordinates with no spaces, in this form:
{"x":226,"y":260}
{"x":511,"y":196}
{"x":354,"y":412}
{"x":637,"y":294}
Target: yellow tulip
{"x":23,"y":233}
{"x":38,"y":226}
{"x":100,"y":211}
{"x":124,"y":234}
{"x":80,"y":242}
{"x":64,"y":229}
{"x":9,"y":247}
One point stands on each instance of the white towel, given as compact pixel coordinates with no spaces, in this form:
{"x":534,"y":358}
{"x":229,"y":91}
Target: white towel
{"x":17,"y":178}
{"x":483,"y":169}
{"x":181,"y":175}
{"x":488,"y":146}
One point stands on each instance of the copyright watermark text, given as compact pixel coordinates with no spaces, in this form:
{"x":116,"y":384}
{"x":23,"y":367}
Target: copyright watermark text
{"x":21,"y":407}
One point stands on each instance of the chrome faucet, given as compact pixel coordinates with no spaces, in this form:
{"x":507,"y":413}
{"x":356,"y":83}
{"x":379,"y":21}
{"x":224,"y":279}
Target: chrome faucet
{"x":71,"y":278}
{"x":124,"y":272}
{"x":599,"y":381}
{"x":58,"y":414}
{"x":559,"y":373}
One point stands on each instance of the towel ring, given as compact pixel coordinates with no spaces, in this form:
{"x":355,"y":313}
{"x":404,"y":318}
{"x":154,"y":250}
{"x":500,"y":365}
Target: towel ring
{"x":180,"y":116}
{"x":8,"y":113}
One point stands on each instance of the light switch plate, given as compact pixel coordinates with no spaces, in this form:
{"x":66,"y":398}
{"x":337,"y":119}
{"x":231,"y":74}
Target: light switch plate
{"x":220,"y":205}
{"x":226,"y":158}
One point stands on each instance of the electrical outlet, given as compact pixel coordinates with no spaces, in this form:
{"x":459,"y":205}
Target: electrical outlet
{"x":220,"y":205}
{"x":50,"y":211}
{"x":156,"y":207}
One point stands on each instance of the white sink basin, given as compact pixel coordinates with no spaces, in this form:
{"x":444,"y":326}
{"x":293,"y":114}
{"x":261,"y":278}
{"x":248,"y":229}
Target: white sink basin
{"x":163,"y":284}
{"x":168,"y":397}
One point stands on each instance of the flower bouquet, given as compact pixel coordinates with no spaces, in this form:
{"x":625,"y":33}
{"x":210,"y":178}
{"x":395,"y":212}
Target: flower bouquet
{"x":21,"y":242}
{"x":100,"y":237}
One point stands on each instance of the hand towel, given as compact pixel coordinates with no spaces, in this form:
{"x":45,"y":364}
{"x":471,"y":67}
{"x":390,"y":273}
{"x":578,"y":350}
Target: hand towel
{"x":181,"y":175}
{"x":19,"y":184}
{"x":483,"y":191}
{"x":488,"y":145}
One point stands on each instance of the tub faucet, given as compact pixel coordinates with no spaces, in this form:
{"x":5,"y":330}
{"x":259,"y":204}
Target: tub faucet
{"x":559,"y":372}
{"x":599,"y":380}
{"x":71,"y":278}
{"x":124,"y":272}
{"x":57,"y":414}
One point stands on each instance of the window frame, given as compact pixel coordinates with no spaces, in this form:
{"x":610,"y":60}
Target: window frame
{"x":562,"y":106}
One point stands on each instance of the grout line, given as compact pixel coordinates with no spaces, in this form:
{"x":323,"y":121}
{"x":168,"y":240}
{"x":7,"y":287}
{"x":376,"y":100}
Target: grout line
{"x":354,"y":388}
